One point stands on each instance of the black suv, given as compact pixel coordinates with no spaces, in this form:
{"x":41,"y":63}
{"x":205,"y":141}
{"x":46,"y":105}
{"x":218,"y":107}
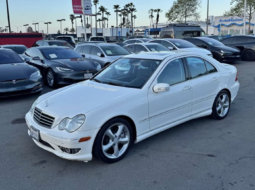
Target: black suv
{"x":246,"y":44}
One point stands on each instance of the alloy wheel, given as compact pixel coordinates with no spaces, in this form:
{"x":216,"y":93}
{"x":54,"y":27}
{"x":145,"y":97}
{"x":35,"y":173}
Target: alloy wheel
{"x":115,"y":141}
{"x":222,"y":105}
{"x":50,"y":78}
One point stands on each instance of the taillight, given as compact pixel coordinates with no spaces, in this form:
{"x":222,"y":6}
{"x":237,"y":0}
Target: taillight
{"x":236,"y":76}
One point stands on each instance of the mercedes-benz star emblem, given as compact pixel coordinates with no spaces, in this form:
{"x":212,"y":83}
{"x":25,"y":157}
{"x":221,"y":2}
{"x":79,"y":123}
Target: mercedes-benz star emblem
{"x":14,"y":81}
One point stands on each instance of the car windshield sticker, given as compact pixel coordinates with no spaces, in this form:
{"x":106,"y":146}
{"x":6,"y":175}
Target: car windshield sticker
{"x":53,"y":56}
{"x":153,"y":49}
{"x":109,"y":52}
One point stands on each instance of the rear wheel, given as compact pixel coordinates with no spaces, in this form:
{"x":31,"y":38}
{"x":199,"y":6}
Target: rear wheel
{"x":217,"y":57}
{"x":50,"y":78}
{"x":113,"y":140}
{"x":221,"y":105}
{"x":248,"y":55}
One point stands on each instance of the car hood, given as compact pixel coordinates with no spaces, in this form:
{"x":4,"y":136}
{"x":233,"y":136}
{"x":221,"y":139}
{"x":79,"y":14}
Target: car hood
{"x":16,"y":71}
{"x":226,"y":48}
{"x":76,"y":65}
{"x":200,"y":50}
{"x":80,"y":98}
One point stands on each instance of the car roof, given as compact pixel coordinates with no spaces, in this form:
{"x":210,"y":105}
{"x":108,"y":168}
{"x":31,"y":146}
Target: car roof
{"x":64,"y":36}
{"x":54,"y":41}
{"x":8,"y":45}
{"x":161,"y":55}
{"x":50,"y":47}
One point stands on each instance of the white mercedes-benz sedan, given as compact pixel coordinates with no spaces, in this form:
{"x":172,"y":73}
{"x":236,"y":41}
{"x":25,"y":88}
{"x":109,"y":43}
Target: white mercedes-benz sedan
{"x":132,"y":99}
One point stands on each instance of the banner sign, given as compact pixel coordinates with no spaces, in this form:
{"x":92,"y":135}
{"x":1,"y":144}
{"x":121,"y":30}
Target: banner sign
{"x":77,"y":7}
{"x":87,"y":7}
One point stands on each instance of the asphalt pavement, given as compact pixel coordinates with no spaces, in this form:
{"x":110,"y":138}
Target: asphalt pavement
{"x":201,"y":154}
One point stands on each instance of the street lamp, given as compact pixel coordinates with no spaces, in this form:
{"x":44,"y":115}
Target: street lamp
{"x":244,"y":23}
{"x":38,"y":22}
{"x":112,"y":30}
{"x":17,"y":28}
{"x":35,"y":25}
{"x":60,"y":20}
{"x":47,"y":26}
{"x":8,"y":16}
{"x":207,"y":20}
{"x":6,"y":28}
{"x":26,"y":25}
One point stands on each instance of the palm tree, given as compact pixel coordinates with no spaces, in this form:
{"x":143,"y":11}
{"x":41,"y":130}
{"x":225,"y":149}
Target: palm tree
{"x":151,"y":16}
{"x":132,"y":9}
{"x":157,"y":19}
{"x":116,"y":8}
{"x":99,"y":20}
{"x":102,"y":10}
{"x":108,"y":14}
{"x":135,"y":17}
{"x":95,"y":2}
{"x":105,"y":19}
{"x":72,"y":19}
{"x":72,"y":30}
{"x":66,"y":30}
{"x":120,"y":25}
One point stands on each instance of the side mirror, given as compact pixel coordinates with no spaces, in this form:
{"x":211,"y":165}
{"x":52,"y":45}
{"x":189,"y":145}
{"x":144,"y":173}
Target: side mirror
{"x":100,"y":55}
{"x":26,"y":59}
{"x":161,"y":87}
{"x":171,"y":48}
{"x":83,"y":56}
{"x":36,"y":58}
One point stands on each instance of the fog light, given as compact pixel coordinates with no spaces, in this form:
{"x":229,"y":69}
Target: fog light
{"x":70,"y":150}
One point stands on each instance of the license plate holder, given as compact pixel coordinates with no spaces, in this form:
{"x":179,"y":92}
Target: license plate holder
{"x":88,"y":75}
{"x":34,"y":133}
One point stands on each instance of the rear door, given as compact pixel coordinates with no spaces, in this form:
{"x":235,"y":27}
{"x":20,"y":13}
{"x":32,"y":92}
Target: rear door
{"x":94,"y":51}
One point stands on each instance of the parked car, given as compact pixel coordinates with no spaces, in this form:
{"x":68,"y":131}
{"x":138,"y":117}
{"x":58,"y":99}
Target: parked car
{"x":16,"y":76}
{"x":135,"y":37}
{"x":179,"y":44}
{"x":121,"y":44}
{"x":246,"y":45}
{"x":138,"y":40}
{"x":145,"y":47}
{"x":216,"y":37}
{"x":19,"y":49}
{"x":61,"y":65}
{"x":103,"y":52}
{"x":105,"y":115}
{"x":52,"y":43}
{"x":88,"y":42}
{"x":220,"y":52}
{"x":102,"y":39}
{"x":69,"y":39}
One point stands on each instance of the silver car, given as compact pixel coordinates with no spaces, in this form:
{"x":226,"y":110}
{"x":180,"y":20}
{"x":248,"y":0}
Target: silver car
{"x":104,"y":53}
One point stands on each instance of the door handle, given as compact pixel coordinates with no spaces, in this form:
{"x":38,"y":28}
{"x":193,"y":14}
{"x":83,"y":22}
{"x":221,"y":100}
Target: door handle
{"x":215,"y":79}
{"x":186,"y":88}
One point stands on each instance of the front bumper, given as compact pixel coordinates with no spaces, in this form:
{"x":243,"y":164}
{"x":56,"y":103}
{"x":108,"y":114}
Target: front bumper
{"x":52,"y":140}
{"x":66,"y":78}
{"x":8,"y":89}
{"x":229,"y":58}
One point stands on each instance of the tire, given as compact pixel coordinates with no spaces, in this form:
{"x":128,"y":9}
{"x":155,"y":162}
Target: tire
{"x":221,"y":105}
{"x":248,"y":55}
{"x":113,"y":140}
{"x":50,"y":78}
{"x":217,"y":57}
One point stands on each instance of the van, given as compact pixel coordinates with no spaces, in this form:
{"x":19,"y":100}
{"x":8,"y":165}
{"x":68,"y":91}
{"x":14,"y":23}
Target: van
{"x":181,"y":31}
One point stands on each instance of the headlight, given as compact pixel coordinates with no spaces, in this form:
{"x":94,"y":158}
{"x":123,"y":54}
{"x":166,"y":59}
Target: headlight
{"x":71,"y":125}
{"x":35,"y":75}
{"x":63,"y":69}
{"x":99,"y":67}
{"x":222,"y":51}
{"x":33,"y":107}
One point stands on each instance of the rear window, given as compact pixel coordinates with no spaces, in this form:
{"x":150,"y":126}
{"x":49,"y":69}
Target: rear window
{"x":97,"y":39}
{"x":8,"y":56}
{"x":17,"y":49}
{"x":182,"y":44}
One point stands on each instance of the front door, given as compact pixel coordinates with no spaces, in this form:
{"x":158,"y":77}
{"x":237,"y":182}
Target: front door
{"x":174,"y":105}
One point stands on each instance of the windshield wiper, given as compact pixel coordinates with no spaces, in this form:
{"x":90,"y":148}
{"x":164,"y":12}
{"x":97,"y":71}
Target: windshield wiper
{"x":114,"y":84}
{"x":94,"y":79}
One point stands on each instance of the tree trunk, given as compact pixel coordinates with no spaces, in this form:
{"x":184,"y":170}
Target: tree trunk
{"x":116,"y":23}
{"x":96,"y":19}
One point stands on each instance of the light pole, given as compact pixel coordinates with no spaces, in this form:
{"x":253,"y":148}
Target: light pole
{"x":8,"y":16}
{"x":60,"y":20}
{"x":38,"y":22}
{"x":35,"y":25}
{"x":207,"y":19}
{"x":244,"y":23}
{"x":26,"y":25}
{"x":112,"y":30}
{"x":47,"y":26}
{"x":17,"y":28}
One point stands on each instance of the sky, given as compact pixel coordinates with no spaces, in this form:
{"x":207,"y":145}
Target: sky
{"x":29,"y":11}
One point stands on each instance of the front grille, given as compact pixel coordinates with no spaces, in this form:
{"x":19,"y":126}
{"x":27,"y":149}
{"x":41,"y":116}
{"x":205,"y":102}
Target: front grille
{"x":43,"y":119}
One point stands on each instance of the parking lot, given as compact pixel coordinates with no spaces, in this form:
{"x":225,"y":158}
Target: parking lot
{"x":200,"y":154}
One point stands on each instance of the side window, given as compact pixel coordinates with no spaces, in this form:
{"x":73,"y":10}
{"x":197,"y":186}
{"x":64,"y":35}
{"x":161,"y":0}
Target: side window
{"x":173,"y":73}
{"x":78,"y":49}
{"x":228,"y":41}
{"x":131,"y":48}
{"x":36,"y":53}
{"x":240,"y":40}
{"x":140,"y":48}
{"x":131,"y":41}
{"x":196,"y":66}
{"x":39,"y":43}
{"x":86,"y":49}
{"x":210,"y":67}
{"x":156,"y":41}
{"x":95,"y":51}
{"x":29,"y":52}
{"x":167,"y":44}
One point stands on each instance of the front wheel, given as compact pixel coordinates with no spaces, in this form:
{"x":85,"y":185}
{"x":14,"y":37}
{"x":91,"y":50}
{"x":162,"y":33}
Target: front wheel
{"x":249,"y":55}
{"x":50,"y":78}
{"x":221,"y":105}
{"x":113,"y":140}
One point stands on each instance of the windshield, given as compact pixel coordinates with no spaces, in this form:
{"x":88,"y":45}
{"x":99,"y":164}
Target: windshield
{"x":8,"y":56}
{"x":114,"y":50}
{"x":60,"y":53}
{"x":182,"y":44}
{"x":68,"y":39}
{"x":128,"y":72}
{"x":60,"y":44}
{"x":213,"y":42}
{"x":156,"y":47}
{"x":17,"y":49}
{"x":145,"y":40}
